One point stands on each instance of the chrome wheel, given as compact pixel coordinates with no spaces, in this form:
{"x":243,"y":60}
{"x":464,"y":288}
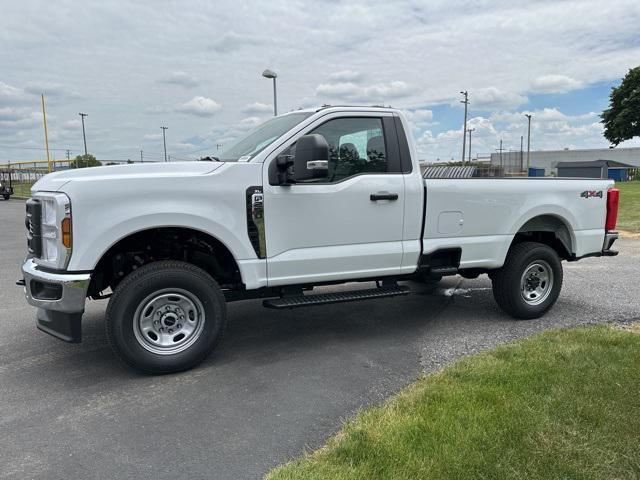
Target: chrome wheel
{"x":536,"y":282}
{"x":168,"y":321}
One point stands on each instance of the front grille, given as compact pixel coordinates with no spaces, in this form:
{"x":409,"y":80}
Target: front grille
{"x":33,"y":222}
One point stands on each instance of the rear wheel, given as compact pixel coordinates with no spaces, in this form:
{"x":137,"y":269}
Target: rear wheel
{"x":530,"y":281}
{"x":166,"y":317}
{"x":6,"y":196}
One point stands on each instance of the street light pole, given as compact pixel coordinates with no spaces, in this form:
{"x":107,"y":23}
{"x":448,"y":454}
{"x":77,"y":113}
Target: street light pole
{"x":84,"y":136}
{"x":464,"y":129}
{"x":528,"y":115}
{"x":470,"y":130}
{"x":164,"y":141}
{"x":271,"y":74}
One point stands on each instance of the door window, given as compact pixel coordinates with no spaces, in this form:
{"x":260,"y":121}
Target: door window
{"x":356,"y":145}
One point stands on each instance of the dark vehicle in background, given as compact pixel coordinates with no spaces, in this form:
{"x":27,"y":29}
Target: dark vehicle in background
{"x":6,"y":188}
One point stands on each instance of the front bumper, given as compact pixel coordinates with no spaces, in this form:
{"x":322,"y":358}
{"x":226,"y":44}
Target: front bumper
{"x":60,"y":298}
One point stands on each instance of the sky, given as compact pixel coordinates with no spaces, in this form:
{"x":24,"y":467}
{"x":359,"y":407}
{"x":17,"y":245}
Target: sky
{"x":195,"y":67}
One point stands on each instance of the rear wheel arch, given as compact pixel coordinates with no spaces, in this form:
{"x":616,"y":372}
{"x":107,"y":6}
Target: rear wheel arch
{"x":550,"y":230}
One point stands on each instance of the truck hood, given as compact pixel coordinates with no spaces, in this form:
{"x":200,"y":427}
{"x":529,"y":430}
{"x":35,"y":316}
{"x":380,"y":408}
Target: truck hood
{"x":53,"y":182}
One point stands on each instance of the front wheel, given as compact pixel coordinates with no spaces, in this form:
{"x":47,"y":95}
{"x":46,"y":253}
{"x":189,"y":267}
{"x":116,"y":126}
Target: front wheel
{"x":6,"y":196}
{"x":165,"y":317}
{"x":530,"y":281}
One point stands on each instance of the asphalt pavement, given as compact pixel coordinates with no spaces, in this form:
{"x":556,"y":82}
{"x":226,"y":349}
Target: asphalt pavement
{"x":280,"y":383}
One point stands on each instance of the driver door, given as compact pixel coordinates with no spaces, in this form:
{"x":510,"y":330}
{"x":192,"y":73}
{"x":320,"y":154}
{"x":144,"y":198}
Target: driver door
{"x":348,"y":225}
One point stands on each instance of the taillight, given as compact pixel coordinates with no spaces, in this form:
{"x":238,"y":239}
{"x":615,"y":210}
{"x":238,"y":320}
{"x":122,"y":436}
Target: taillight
{"x":613,"y":199}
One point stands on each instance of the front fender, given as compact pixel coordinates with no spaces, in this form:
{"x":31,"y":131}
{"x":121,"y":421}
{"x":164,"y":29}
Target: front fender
{"x":104,"y":212}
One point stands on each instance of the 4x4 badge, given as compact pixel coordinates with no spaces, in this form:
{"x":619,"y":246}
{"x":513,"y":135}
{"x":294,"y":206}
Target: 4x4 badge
{"x":591,"y":193}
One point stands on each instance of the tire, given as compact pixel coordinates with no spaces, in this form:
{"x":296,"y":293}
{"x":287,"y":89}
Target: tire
{"x":5,"y":196}
{"x":156,"y":304}
{"x":529,"y":283}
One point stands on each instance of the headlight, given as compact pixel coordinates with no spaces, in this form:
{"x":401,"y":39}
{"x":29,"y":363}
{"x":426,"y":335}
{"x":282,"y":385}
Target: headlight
{"x":56,"y":229}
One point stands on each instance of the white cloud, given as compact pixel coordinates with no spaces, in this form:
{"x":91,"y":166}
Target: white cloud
{"x":257,"y":107}
{"x":492,"y":98}
{"x":345,"y":76}
{"x":556,"y":84}
{"x":551,"y":129}
{"x":180,"y":78}
{"x":200,"y":106}
{"x":383,"y":92}
{"x":420,"y":119}
{"x":10,"y":95}
{"x":249,"y":123}
{"x":355,"y":54}
{"x":50,"y":90}
{"x":232,"y":41}
{"x":13,"y":120}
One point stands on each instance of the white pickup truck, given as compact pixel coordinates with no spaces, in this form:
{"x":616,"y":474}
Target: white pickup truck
{"x":310,"y":198}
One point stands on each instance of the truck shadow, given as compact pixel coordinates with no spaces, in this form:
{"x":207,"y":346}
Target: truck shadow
{"x":259,"y":336}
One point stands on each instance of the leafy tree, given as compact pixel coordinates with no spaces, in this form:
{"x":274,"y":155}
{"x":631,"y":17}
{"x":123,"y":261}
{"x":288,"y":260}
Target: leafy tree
{"x":622,"y":119}
{"x":82,"y":161}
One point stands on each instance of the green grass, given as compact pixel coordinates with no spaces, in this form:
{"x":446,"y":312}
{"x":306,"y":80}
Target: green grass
{"x":563,"y":404}
{"x":22,"y":189}
{"x":629,"y":212}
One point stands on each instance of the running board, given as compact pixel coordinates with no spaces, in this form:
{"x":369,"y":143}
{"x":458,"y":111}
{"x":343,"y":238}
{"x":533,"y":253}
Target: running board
{"x":444,"y":271}
{"x":337,"y":297}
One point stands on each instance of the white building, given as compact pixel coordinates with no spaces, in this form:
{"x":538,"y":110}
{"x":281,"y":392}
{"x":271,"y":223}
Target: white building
{"x":548,"y":159}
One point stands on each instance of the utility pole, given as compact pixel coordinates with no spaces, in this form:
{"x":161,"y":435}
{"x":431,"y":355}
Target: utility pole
{"x":464,"y":129}
{"x":141,"y":157}
{"x":470,"y":130}
{"x":528,"y":115}
{"x":164,"y":141}
{"x":521,"y":154}
{"x":500,"y":150}
{"x":84,"y":136}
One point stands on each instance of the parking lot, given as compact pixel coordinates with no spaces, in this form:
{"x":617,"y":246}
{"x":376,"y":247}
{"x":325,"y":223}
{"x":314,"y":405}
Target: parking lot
{"x":280,"y":383}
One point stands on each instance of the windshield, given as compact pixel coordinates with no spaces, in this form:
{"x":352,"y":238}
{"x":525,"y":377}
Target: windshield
{"x":260,"y":138}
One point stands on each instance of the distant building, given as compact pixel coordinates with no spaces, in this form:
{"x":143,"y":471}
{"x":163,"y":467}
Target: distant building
{"x":549,"y":159}
{"x":595,"y":169}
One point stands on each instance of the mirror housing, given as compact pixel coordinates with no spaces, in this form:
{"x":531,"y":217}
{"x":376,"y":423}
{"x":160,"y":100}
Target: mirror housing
{"x":311,"y":160}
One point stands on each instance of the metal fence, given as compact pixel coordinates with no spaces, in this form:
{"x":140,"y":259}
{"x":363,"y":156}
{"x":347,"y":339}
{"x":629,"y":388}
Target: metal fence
{"x":460,"y":171}
{"x":24,"y":174}
{"x":512,"y":162}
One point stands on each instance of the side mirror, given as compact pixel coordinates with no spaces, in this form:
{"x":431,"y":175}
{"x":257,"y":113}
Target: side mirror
{"x":311,"y":159}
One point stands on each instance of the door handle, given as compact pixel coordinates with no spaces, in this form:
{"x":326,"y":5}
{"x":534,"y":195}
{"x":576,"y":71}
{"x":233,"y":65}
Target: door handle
{"x":383,"y":196}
